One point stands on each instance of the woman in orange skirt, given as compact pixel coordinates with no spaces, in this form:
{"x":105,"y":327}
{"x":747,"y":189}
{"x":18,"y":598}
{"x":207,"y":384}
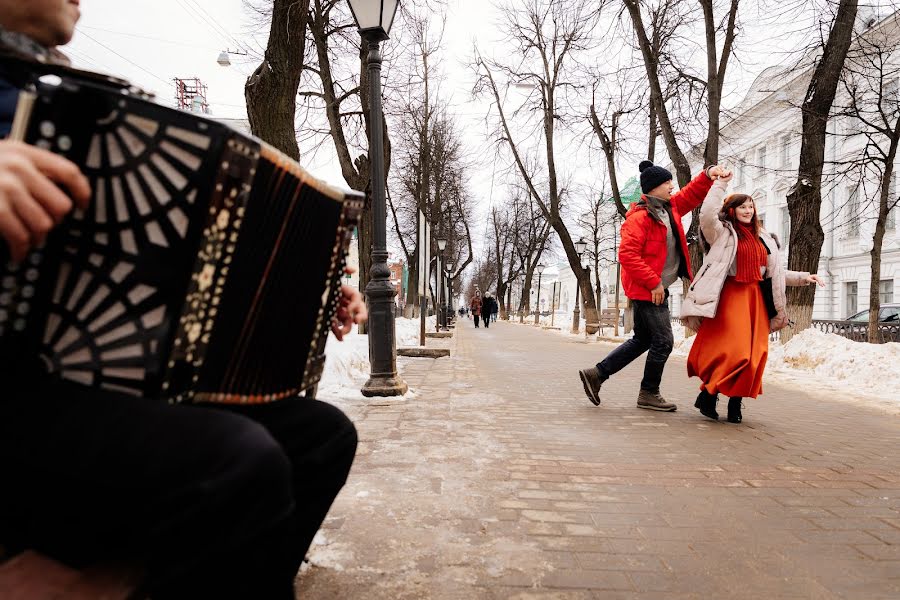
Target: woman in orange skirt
{"x":726,"y":303}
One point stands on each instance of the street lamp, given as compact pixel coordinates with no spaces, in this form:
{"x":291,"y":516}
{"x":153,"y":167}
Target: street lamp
{"x":374,"y":19}
{"x":537,"y":308}
{"x":223,"y":58}
{"x":440,"y":323}
{"x":522,"y":298}
{"x":450,"y":313}
{"x":580,"y":247}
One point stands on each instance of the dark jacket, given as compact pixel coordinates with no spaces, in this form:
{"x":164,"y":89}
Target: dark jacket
{"x":490,"y":306}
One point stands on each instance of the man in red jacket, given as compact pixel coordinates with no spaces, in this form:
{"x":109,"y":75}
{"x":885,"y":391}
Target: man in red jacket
{"x":654,"y":255}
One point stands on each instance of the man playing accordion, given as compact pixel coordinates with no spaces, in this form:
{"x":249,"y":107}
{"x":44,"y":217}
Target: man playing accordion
{"x":215,"y":501}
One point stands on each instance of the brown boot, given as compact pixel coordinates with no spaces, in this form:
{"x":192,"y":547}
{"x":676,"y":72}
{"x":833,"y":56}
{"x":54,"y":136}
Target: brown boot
{"x":591,"y":380}
{"x":654,"y":401}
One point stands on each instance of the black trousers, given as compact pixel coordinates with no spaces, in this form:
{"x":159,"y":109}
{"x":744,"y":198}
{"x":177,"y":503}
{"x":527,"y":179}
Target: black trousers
{"x":653,"y":332}
{"x":216,"y":502}
{"x":476,"y":320}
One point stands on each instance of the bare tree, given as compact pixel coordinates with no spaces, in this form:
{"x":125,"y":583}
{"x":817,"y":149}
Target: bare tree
{"x":504,"y":234}
{"x":271,"y":90}
{"x":606,"y":128}
{"x":431,"y":167}
{"x":532,"y":241}
{"x":804,"y":199}
{"x":716,"y":67}
{"x":869,"y":81}
{"x":546,"y":35}
{"x":600,"y":222}
{"x":665,"y":19}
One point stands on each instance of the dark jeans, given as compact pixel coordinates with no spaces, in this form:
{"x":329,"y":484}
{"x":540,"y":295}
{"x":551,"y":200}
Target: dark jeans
{"x":476,"y":320}
{"x":215,"y":502}
{"x":487,"y":320}
{"x":653,"y":332}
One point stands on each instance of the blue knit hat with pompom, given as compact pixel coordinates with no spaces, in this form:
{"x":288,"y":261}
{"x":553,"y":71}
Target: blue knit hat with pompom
{"x":652,"y":176}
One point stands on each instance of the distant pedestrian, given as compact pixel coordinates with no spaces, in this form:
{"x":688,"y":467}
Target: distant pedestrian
{"x":737,"y":299}
{"x":475,"y":307}
{"x":488,"y":309}
{"x":653,"y":253}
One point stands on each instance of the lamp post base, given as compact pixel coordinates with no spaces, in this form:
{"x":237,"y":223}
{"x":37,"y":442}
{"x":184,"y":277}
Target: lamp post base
{"x":384,"y":385}
{"x":576,"y":320}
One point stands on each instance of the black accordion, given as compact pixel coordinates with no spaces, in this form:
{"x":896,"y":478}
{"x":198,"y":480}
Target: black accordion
{"x":207,"y":267}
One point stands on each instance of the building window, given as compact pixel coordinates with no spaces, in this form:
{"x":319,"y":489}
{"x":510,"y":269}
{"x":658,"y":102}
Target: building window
{"x":739,"y":175}
{"x":785,"y":225}
{"x":786,"y":151}
{"x":852,"y":211}
{"x":761,"y":159}
{"x":889,"y":96}
{"x":886,"y":291}
{"x":851,"y":291}
{"x":891,"y":221}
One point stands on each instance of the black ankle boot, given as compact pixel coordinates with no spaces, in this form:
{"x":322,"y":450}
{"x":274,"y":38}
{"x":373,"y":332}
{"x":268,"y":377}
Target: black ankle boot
{"x":706,"y":402}
{"x":734,"y":409}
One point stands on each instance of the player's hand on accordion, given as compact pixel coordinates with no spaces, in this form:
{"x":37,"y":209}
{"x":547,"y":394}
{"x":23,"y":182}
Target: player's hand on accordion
{"x":352,"y":309}
{"x":31,"y":201}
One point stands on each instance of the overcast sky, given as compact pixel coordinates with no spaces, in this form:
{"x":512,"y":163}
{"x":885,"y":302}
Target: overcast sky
{"x":150,"y":42}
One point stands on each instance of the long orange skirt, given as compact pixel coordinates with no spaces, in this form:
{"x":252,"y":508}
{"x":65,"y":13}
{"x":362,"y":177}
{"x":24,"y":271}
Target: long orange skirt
{"x":729,"y":354}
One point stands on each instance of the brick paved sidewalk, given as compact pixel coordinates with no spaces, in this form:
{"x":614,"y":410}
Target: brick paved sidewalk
{"x":498,"y":479}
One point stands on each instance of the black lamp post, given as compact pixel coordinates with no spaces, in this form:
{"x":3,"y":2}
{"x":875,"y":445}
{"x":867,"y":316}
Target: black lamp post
{"x":522,"y":298}
{"x":580,"y":247}
{"x":537,"y":308}
{"x":374,"y":19}
{"x":450,"y":313}
{"x":441,"y":321}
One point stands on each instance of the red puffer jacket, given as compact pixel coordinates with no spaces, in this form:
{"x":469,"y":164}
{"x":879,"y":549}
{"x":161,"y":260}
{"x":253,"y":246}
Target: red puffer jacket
{"x":642,"y":251}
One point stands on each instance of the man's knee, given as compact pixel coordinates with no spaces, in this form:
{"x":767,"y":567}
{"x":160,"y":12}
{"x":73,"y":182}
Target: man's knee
{"x":255,"y":451}
{"x":250,"y":464}
{"x":337,"y":446}
{"x":662,"y":344}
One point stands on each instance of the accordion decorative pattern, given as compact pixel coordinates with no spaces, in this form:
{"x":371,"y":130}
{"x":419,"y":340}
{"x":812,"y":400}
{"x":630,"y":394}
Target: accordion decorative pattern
{"x":206,"y":267}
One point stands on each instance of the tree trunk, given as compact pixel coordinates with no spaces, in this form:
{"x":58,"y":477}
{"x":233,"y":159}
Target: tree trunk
{"x":805,"y":197}
{"x":271,"y":90}
{"x":715,"y":78}
{"x":651,"y":65}
{"x":590,"y":307}
{"x":878,"y":238}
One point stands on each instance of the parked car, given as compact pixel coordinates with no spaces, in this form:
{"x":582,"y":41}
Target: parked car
{"x":856,"y":326}
{"x":888,"y":313}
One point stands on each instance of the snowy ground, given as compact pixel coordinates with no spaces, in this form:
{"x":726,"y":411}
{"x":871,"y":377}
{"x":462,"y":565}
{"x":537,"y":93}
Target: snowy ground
{"x":815,"y":361}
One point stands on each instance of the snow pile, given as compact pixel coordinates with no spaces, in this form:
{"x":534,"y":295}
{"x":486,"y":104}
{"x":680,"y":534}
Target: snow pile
{"x":347,"y":362}
{"x":346,"y":366}
{"x":408,"y":330}
{"x":858,"y":366}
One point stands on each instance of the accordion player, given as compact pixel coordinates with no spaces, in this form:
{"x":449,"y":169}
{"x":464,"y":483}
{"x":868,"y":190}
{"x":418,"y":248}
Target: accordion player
{"x":206,"y":267}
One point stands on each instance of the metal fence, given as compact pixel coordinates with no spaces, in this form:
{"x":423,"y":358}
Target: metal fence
{"x":852,"y":330}
{"x":859,"y":331}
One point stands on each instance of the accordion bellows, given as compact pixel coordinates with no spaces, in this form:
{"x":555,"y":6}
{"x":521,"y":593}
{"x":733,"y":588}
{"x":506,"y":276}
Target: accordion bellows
{"x":206,"y":268}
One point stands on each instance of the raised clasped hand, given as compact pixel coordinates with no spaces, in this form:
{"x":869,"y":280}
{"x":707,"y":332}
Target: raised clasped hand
{"x":721,"y":173}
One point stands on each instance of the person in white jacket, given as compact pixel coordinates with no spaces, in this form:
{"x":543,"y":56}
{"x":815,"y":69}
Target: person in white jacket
{"x":736,"y":300}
